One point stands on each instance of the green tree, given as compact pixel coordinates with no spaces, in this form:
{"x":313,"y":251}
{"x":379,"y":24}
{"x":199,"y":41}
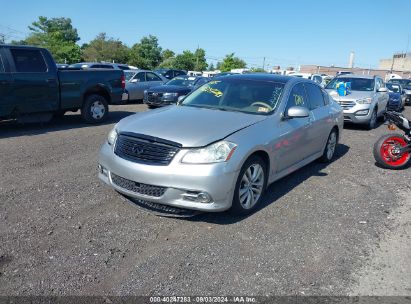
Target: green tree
{"x":167,"y":54}
{"x":211,"y":67}
{"x":185,"y":61}
{"x":200,"y":60}
{"x":168,"y":63}
{"x":57,"y":35}
{"x":146,"y":54}
{"x":231,"y":62}
{"x":103,"y":48}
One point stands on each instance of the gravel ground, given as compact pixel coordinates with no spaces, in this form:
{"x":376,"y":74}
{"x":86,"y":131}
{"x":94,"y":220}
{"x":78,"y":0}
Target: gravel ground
{"x":320,"y":231}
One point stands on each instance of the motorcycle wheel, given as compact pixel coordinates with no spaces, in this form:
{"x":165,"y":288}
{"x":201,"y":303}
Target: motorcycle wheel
{"x":385,"y":153}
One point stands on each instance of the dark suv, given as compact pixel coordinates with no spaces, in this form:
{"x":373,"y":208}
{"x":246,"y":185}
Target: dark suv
{"x":169,"y":73}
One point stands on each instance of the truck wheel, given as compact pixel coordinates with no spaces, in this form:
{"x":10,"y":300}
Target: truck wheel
{"x":95,"y":109}
{"x":330,"y":147}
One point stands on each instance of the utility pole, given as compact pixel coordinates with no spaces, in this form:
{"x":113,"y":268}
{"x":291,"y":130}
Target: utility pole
{"x":198,"y":46}
{"x":264,"y":63}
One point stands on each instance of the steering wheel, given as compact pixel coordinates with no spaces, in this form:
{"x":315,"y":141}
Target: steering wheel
{"x":263,"y":104}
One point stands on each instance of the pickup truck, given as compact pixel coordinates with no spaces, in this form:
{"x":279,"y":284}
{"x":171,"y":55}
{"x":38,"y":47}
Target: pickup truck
{"x":33,"y":89}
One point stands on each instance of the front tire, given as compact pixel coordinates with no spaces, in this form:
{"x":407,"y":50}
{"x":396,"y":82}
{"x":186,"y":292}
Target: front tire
{"x":373,"y":120}
{"x":95,"y":109}
{"x":386,"y":152}
{"x":250,"y":186}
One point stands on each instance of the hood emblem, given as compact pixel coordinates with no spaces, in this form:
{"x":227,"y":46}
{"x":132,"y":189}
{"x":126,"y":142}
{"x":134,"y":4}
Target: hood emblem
{"x":137,"y":150}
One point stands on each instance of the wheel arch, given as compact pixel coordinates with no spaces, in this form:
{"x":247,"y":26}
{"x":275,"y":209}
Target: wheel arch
{"x":97,"y":90}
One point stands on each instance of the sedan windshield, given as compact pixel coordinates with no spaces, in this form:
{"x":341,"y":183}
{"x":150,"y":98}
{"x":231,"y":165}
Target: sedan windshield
{"x":403,"y":82}
{"x":182,"y":81}
{"x":255,"y":97}
{"x":357,"y":84}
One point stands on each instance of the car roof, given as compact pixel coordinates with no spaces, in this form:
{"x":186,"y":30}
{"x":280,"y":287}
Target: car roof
{"x":138,"y":70}
{"x":356,"y":76}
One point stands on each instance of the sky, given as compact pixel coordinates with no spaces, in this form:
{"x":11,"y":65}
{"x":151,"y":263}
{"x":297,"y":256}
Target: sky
{"x":285,"y":33}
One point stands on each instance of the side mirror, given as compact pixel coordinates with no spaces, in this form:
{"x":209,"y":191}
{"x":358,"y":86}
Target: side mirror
{"x":298,"y":112}
{"x":135,"y":80}
{"x":382,"y":90}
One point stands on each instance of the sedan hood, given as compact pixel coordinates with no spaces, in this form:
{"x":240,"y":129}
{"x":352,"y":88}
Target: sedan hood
{"x":352,"y":96}
{"x":170,"y":89}
{"x":189,"y":126}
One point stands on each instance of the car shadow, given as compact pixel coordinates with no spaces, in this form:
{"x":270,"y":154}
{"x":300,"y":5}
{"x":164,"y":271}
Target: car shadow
{"x":67,"y":122}
{"x":357,"y":127}
{"x":274,"y":191}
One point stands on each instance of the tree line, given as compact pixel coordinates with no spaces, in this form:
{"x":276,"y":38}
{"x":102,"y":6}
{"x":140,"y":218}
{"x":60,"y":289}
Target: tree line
{"x":60,"y":37}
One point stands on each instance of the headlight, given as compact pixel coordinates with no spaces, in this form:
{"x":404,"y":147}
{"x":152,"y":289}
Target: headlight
{"x":361,"y":112}
{"x":112,"y":136}
{"x":215,"y":153}
{"x":367,"y":100}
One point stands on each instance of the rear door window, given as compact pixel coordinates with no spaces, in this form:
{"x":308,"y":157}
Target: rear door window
{"x":152,"y":77}
{"x":28,"y":61}
{"x":315,"y":96}
{"x":297,"y":97}
{"x":140,"y":76}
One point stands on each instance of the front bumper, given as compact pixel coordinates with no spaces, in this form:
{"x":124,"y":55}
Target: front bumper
{"x":355,"y":114}
{"x":180,"y":180}
{"x":159,"y":100}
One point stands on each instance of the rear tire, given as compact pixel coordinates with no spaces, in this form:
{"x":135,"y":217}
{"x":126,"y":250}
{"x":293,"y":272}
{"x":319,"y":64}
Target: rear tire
{"x":95,"y":109}
{"x":384,"y":152}
{"x":250,"y":186}
{"x":330,"y":146}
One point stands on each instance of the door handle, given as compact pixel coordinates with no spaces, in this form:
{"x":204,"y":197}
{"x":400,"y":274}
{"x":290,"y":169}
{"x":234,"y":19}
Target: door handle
{"x":51,"y":80}
{"x":4,"y":82}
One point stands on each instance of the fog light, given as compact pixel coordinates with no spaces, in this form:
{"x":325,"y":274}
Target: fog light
{"x":203,"y":197}
{"x":102,"y":170}
{"x":361,"y":113}
{"x":199,"y":197}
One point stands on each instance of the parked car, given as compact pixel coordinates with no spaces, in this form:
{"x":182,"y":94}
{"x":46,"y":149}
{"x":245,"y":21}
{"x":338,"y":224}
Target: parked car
{"x":170,"y":92}
{"x":366,"y":100}
{"x":33,"y":89}
{"x":223,"y":144}
{"x":99,"y":65}
{"x":396,"y":99}
{"x":62,"y":65}
{"x":137,"y":81}
{"x":170,"y":73}
{"x":406,"y":86}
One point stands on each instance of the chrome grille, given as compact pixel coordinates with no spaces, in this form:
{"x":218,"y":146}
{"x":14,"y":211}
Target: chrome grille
{"x":154,"y":97}
{"x":346,"y":105}
{"x":145,"y":149}
{"x":136,"y":187}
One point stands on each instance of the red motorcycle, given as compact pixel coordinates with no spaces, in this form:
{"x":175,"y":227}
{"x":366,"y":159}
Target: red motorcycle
{"x":393,"y":151}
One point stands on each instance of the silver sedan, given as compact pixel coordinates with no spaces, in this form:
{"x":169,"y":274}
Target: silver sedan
{"x":223,"y":144}
{"x":137,"y":81}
